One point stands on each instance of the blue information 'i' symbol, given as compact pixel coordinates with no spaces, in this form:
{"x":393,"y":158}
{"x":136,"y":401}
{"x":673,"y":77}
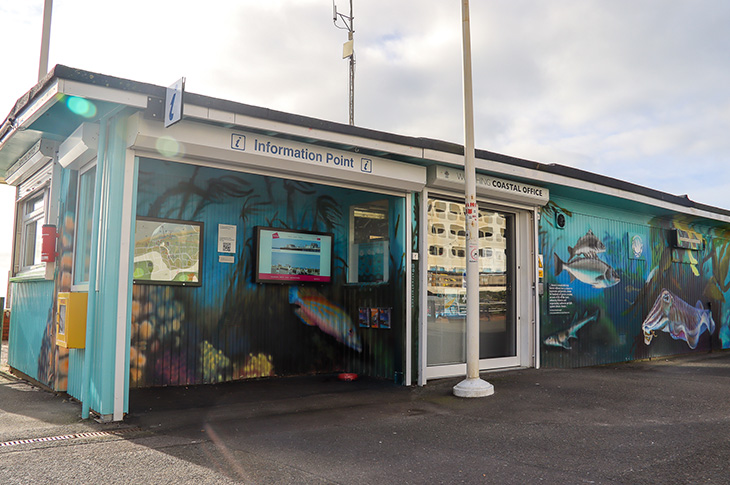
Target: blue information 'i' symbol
{"x":172,"y":104}
{"x":238,"y":142}
{"x":366,"y":165}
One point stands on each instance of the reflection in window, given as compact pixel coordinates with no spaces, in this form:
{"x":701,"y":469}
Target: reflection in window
{"x":84,"y":213}
{"x":458,"y":252}
{"x":33,"y":214}
{"x":446,"y":300}
{"x":436,"y":250}
{"x":369,"y":249}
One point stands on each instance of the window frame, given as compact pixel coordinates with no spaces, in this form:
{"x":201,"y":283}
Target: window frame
{"x":25,"y":219}
{"x":81,"y":285}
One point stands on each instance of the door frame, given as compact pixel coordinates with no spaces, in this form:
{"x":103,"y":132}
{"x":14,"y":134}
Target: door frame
{"x":524,"y":289}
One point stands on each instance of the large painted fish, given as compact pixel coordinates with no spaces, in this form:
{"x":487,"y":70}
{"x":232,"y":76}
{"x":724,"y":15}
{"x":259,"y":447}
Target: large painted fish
{"x":592,"y":271}
{"x":681,"y":320}
{"x":587,"y":246}
{"x":562,"y":338}
{"x":315,"y":310}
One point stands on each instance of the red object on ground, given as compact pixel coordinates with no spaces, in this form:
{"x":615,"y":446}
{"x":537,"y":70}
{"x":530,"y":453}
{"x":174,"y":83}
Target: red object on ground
{"x":347,"y":376}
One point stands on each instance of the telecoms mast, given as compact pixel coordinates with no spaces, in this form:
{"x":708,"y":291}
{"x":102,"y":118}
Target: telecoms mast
{"x":348,"y":51}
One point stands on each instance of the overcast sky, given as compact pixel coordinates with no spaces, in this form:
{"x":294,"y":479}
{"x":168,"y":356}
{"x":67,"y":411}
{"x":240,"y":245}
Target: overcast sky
{"x":633,"y":89}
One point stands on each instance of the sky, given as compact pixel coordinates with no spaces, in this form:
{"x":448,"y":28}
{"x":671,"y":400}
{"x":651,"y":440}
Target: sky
{"x":632,"y":89}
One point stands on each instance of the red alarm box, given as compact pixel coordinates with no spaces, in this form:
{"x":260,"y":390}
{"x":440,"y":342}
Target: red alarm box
{"x":48,"y":243}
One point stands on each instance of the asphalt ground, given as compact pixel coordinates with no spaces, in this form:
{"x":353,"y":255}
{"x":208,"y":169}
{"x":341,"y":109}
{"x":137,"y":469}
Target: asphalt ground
{"x":663,"y":421}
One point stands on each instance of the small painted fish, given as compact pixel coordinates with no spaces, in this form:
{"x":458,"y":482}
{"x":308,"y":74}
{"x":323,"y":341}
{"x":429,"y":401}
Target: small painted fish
{"x":315,"y":310}
{"x":677,"y":317}
{"x":587,"y":246}
{"x":591,"y":271}
{"x":562,"y":338}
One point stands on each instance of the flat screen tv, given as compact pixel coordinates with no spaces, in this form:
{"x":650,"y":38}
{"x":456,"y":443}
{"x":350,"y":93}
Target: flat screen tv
{"x":291,"y":256}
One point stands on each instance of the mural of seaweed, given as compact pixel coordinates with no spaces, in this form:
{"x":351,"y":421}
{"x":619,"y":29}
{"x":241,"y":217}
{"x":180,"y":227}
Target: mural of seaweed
{"x":53,"y":361}
{"x":231,"y":327}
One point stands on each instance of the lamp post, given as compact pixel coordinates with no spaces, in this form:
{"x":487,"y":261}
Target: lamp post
{"x":472,"y":386}
{"x":348,"y":51}
{"x":45,"y":39}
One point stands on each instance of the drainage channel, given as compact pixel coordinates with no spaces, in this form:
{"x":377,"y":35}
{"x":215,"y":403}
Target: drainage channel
{"x":91,"y":434}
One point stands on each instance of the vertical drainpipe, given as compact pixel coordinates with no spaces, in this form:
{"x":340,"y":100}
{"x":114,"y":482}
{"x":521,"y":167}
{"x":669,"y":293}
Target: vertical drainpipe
{"x":536,"y":245}
{"x":423,"y":286}
{"x":409,"y":287}
{"x":93,"y":264}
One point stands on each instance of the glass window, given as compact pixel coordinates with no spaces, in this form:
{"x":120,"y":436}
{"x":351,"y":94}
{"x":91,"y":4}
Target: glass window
{"x":446,"y":295}
{"x":369,"y":248}
{"x":32,"y":218}
{"x":84,"y":220}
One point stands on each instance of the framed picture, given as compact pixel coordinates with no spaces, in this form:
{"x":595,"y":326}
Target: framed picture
{"x":167,"y":252}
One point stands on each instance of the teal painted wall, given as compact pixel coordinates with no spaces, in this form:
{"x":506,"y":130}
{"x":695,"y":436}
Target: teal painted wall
{"x":32,"y":304}
{"x":615,"y":288}
{"x":102,"y":345}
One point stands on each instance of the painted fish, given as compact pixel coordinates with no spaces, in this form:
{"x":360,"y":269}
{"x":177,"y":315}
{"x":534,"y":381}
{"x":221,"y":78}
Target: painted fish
{"x":681,"y":320}
{"x":315,"y":310}
{"x":587,"y":246}
{"x":562,"y":338}
{"x":591,"y":271}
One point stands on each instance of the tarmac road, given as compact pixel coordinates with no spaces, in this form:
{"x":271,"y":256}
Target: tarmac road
{"x":664,"y":421}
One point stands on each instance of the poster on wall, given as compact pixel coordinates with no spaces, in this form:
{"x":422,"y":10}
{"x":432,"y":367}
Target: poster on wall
{"x":364,"y":317}
{"x":167,"y":251}
{"x":637,"y":246}
{"x":226,"y":238}
{"x":384,"y":318}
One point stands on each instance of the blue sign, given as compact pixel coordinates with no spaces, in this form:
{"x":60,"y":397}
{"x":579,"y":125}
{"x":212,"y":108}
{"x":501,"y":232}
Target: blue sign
{"x":173,"y":102}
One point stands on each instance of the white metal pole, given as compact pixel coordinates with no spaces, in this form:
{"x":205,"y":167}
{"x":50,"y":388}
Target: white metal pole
{"x":352,"y":68}
{"x":45,"y":39}
{"x":472,"y":386}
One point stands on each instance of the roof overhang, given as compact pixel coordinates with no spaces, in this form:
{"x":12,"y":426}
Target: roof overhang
{"x":47,"y":112}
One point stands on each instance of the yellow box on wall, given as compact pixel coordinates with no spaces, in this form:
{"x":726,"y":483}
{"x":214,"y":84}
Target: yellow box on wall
{"x":71,"y":320}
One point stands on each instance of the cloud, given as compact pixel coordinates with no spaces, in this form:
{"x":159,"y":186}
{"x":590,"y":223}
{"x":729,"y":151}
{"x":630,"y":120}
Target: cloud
{"x":631,"y":89}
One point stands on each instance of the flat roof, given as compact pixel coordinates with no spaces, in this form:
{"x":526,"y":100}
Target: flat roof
{"x":36,"y":115}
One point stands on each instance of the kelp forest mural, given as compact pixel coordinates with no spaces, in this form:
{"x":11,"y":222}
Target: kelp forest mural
{"x":620,"y":287}
{"x":230,"y":327}
{"x":53,"y":360}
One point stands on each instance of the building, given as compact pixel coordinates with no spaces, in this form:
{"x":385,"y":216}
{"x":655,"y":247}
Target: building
{"x":240,"y":242}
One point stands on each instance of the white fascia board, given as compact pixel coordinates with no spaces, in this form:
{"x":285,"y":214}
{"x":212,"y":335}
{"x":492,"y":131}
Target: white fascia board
{"x":300,"y":131}
{"x":443,"y":157}
{"x":548,"y":178}
{"x":220,"y":116}
{"x":103,"y":93}
{"x":208,"y":143}
{"x":39,"y":155}
{"x":542,"y":178}
{"x":33,"y":110}
{"x":193,"y":111}
{"x":328,"y":136}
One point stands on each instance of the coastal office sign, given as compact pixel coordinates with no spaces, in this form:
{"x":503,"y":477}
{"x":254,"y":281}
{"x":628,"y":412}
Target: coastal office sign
{"x":453,"y":179}
{"x":276,"y":147}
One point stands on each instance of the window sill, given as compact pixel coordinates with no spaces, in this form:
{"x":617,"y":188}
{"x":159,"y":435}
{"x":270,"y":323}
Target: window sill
{"x":43,"y":271}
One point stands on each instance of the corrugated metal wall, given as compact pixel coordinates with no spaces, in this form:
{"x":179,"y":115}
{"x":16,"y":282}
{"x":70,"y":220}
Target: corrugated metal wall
{"x":605,"y":271}
{"x":231,"y":328}
{"x":29,"y":343}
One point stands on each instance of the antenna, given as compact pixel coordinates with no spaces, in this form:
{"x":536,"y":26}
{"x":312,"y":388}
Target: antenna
{"x":348,"y":51}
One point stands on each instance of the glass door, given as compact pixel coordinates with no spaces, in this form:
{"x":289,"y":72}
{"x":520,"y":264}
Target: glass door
{"x":446,"y":292}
